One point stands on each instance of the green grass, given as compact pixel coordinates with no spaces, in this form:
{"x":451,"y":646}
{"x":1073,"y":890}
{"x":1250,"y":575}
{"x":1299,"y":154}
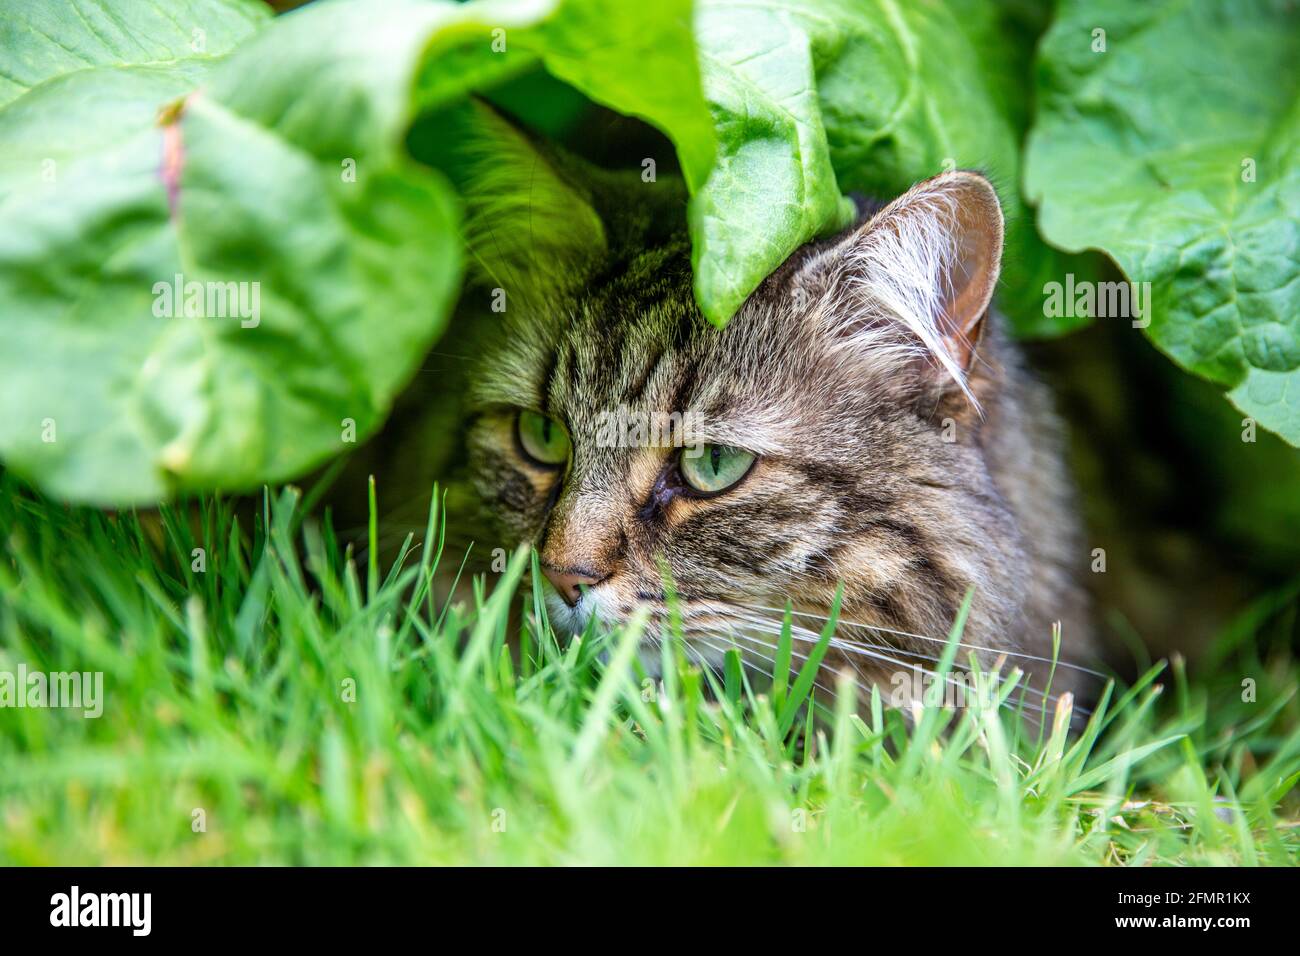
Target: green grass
{"x":227,"y":691}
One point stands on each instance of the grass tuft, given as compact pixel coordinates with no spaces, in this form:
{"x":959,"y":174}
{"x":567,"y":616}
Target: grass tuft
{"x":262,"y":705}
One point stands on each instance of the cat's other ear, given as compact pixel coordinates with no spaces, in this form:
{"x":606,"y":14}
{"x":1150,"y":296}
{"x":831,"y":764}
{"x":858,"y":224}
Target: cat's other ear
{"x":527,"y":228}
{"x":925,"y":266}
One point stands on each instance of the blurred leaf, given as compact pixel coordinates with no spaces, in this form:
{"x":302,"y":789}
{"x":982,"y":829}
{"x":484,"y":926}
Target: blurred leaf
{"x":239,"y":170}
{"x":1175,"y":152}
{"x":348,"y":74}
{"x":639,"y":60}
{"x":43,"y":40}
{"x":542,"y":102}
{"x":117,"y":395}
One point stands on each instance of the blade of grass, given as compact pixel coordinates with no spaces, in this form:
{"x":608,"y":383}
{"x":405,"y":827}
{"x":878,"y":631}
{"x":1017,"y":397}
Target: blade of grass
{"x":808,"y":672}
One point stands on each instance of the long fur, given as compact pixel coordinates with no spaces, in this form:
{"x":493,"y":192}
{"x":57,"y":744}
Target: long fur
{"x":876,"y":468}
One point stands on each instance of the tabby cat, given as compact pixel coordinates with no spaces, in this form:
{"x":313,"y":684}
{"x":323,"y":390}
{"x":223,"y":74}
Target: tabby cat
{"x":862,"y":420}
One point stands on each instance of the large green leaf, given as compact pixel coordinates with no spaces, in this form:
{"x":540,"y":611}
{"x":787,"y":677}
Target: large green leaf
{"x":280,"y":166}
{"x":349,"y":73}
{"x":107,"y":401}
{"x":773,"y":187}
{"x":820,"y":97}
{"x":41,"y":39}
{"x":117,"y":179}
{"x":1177,"y":152}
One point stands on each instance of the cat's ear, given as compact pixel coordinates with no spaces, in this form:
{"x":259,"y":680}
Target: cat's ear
{"x":925,"y":266}
{"x":527,"y":227}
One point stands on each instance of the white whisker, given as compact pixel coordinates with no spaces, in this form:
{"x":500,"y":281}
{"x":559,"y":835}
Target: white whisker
{"x":798,"y":632}
{"x":937,"y":640}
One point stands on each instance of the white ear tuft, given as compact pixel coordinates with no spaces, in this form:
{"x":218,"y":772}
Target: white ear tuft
{"x":928,"y":263}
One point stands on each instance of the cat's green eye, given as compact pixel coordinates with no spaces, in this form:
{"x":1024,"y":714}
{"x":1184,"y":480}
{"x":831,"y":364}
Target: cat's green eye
{"x":542,"y":439}
{"x":710,"y":469}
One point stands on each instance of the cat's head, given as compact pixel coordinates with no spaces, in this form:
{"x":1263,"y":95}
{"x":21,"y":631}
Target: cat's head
{"x":832,"y":431}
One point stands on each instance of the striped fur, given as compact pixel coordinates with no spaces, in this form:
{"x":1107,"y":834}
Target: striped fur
{"x":846,"y":375}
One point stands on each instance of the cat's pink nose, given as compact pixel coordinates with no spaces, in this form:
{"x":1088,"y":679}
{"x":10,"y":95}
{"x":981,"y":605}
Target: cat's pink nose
{"x":569,"y":582}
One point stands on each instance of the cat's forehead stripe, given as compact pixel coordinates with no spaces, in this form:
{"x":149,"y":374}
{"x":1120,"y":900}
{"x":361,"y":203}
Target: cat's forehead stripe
{"x":618,"y":352}
{"x":547,"y":384}
{"x":638,"y":380}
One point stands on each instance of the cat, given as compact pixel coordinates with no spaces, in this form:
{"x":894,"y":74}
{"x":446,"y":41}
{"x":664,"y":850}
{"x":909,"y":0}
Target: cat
{"x":863,"y":422}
